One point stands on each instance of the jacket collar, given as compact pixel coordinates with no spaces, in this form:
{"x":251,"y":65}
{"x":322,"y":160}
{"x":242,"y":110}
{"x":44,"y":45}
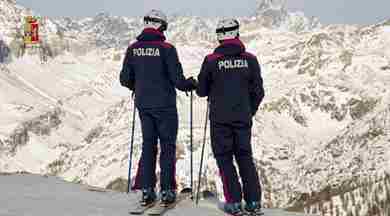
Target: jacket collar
{"x":231,"y":47}
{"x":151,"y":34}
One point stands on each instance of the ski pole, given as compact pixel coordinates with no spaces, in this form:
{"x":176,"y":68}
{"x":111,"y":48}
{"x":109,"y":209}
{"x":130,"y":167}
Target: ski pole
{"x":131,"y":147}
{"x":191,"y":188}
{"x":201,"y":158}
{"x":191,"y":144}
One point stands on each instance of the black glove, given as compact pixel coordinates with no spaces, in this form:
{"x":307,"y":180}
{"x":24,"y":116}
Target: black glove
{"x":254,"y":113}
{"x":192,"y":84}
{"x":254,"y":109}
{"x":130,"y":84}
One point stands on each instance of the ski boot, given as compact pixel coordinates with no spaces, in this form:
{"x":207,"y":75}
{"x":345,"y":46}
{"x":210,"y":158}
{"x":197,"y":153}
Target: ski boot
{"x":234,"y":209}
{"x":254,"y":208}
{"x":168,"y":197}
{"x":148,"y":197}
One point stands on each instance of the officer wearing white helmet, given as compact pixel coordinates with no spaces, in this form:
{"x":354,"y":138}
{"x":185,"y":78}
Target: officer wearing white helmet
{"x":152,"y":70}
{"x":228,"y":29}
{"x":157,"y":20}
{"x":231,"y":79}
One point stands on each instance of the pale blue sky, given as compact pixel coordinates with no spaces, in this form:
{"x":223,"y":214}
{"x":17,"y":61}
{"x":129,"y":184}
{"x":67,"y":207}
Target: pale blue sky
{"x":329,"y":11}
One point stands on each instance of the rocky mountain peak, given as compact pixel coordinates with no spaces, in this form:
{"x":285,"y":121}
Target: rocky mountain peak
{"x":265,"y":5}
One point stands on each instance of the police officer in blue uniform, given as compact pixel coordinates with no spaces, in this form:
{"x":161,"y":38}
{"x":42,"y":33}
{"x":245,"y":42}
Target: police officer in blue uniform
{"x":152,"y":70}
{"x":231,"y":79}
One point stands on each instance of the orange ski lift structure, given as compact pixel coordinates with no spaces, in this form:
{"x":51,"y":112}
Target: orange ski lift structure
{"x":31,"y":31}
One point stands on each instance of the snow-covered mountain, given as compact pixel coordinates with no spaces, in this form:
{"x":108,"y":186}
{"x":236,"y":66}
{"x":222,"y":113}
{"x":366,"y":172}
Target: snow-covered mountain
{"x":321,"y":139}
{"x":11,"y":17}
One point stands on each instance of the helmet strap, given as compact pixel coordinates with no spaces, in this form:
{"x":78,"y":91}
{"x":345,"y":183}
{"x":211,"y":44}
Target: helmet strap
{"x":163,"y":27}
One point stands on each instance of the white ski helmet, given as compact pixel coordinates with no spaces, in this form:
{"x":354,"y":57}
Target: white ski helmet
{"x":228,"y":29}
{"x":156,"y":19}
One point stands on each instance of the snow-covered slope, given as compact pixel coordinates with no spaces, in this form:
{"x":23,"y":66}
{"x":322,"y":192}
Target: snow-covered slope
{"x":321,"y":137}
{"x":43,"y":196}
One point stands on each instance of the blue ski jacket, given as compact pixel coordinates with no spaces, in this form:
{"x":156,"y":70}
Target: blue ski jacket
{"x":231,"y":79}
{"x":152,"y":70}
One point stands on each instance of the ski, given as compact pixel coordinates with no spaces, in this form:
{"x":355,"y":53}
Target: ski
{"x":141,"y":209}
{"x":212,"y":198}
{"x":256,"y":214}
{"x":161,"y":209}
